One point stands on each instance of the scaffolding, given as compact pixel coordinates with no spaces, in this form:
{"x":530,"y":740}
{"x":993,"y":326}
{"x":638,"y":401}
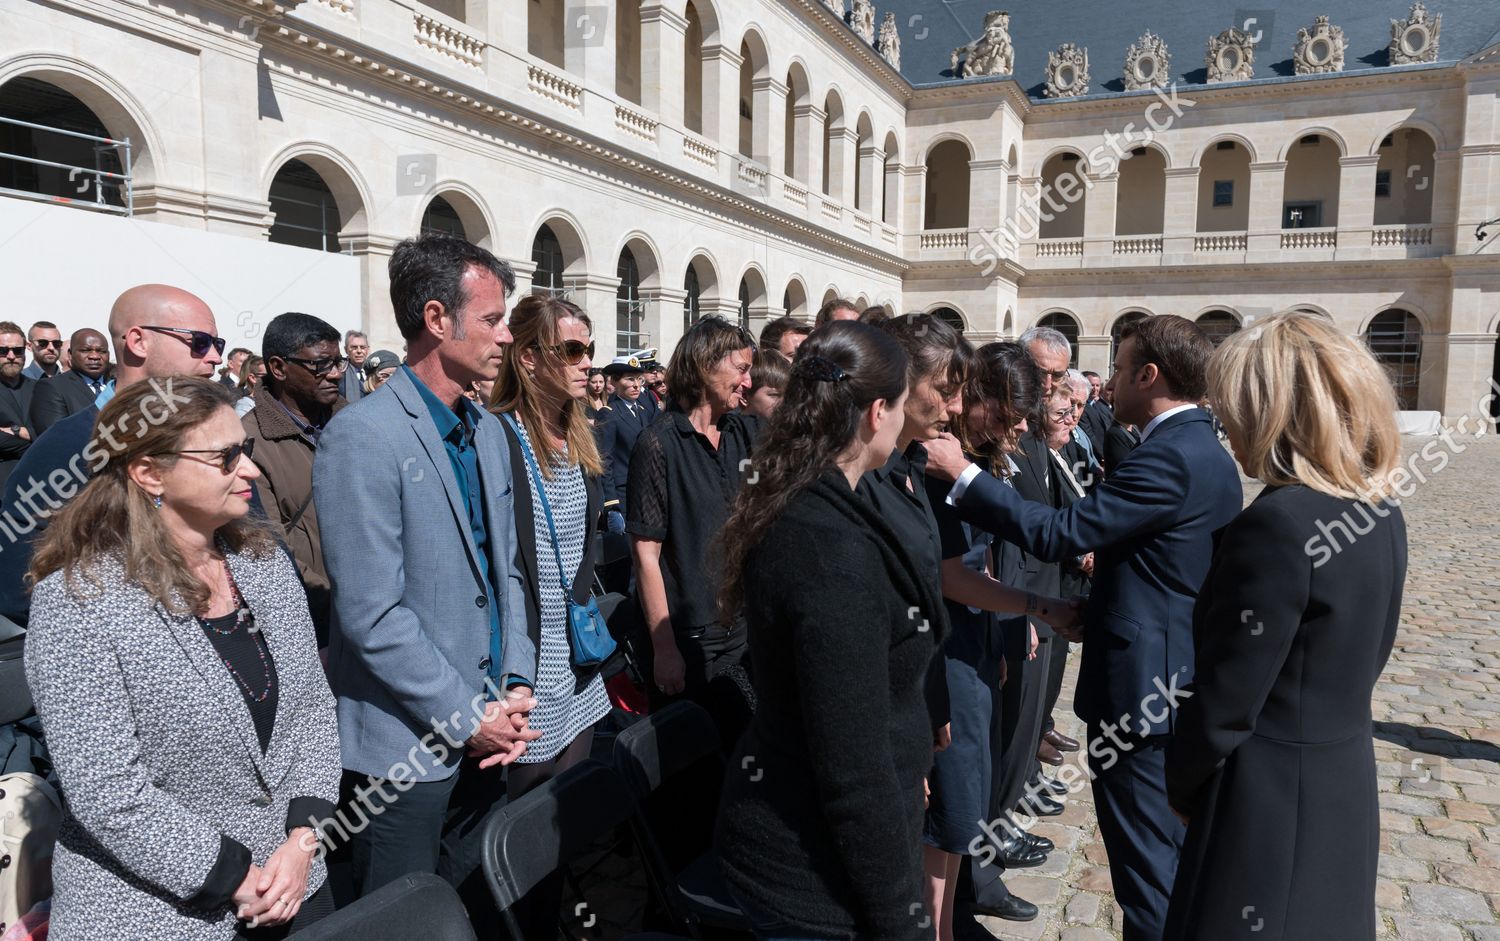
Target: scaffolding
{"x":93,"y":179}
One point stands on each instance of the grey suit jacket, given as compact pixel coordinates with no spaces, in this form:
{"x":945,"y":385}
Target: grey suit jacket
{"x":409,"y":645}
{"x":157,"y":753}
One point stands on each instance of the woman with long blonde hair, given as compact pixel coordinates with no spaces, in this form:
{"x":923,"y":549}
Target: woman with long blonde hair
{"x":540,"y":396}
{"x":1272,"y":764}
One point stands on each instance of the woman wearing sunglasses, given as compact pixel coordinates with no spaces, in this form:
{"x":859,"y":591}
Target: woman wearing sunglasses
{"x":539,"y":396}
{"x":173,"y":662}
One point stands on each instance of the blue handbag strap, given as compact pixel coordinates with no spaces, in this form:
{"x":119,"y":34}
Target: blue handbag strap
{"x":535,"y":473}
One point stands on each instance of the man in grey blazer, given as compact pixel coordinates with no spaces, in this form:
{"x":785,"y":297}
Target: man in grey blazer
{"x":429,"y":655}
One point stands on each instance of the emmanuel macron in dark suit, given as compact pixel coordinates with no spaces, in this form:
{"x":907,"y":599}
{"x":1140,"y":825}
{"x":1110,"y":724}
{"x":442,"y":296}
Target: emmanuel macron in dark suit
{"x":1152,"y":525}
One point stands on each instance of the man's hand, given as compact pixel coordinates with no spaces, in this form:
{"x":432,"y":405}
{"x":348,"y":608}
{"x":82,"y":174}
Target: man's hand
{"x":1067,"y":618}
{"x":1031,"y":651}
{"x":945,"y":457}
{"x":943,"y":737}
{"x":1086,"y":565}
{"x":668,"y":668}
{"x":503,"y":733}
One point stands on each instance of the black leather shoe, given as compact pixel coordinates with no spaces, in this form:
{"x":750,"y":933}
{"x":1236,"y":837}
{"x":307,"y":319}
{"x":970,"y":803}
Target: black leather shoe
{"x":1039,"y":842}
{"x":1040,"y":805}
{"x":1014,"y":908}
{"x":1018,"y":853}
{"x":1050,"y":786}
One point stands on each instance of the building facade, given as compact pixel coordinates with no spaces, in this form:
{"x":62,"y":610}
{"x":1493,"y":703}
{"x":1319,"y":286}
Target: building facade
{"x":662,"y":160}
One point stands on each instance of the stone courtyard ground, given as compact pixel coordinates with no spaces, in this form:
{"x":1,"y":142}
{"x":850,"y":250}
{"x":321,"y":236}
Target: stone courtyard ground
{"x":1437,"y":737}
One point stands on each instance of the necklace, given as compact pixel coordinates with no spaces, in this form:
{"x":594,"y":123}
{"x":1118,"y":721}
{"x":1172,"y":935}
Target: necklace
{"x":242,"y":617}
{"x":242,"y":611}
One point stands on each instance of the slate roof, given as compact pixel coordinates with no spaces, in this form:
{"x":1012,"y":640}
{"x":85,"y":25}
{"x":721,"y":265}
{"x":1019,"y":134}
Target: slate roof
{"x":931,"y":29}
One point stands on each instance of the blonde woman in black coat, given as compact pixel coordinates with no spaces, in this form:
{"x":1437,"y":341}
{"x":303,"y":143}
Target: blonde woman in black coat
{"x":1272,"y":763}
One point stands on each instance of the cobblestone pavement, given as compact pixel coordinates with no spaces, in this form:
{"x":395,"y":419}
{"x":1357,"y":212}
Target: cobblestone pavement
{"x":1437,"y":737}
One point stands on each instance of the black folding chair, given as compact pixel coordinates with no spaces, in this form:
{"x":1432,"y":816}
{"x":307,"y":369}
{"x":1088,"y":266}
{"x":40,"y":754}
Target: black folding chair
{"x":419,"y":905}
{"x":552,"y":828}
{"x":673,"y":769}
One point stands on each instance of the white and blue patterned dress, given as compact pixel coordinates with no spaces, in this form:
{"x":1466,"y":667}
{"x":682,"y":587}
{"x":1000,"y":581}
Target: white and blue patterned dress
{"x":561,"y":710}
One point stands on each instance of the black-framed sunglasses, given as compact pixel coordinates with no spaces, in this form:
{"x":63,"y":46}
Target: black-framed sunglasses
{"x":17,"y":351}
{"x":225,"y":458}
{"x":573,"y":351}
{"x":43,"y":344}
{"x":320,"y":367}
{"x":198,"y":341}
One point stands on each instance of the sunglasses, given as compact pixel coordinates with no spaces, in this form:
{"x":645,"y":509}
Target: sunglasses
{"x":197,"y":340}
{"x":320,"y":367}
{"x":43,"y":344}
{"x":17,"y":351}
{"x":225,"y":458}
{"x":573,"y":351}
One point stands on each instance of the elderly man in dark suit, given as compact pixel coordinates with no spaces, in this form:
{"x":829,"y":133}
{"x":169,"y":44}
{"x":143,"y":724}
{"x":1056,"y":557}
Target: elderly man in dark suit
{"x":429,"y":654}
{"x":1152,"y":525}
{"x":75,"y":390}
{"x":1097,"y":414}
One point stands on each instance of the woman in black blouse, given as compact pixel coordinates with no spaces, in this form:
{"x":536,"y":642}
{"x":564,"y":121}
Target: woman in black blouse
{"x":821,"y":819}
{"x":174,"y":666}
{"x":684,"y":473}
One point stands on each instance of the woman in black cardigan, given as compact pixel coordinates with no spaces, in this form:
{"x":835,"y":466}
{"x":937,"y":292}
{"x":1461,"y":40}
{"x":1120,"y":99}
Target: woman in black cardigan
{"x":1272,"y":763}
{"x":820,"y":826}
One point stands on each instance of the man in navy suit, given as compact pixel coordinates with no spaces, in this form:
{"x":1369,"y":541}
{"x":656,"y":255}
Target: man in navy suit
{"x":621,"y":421}
{"x":1152,"y":525}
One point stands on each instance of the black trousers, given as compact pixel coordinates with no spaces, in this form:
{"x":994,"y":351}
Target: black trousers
{"x":1057,"y":666}
{"x":432,"y":826}
{"x":715,"y":677}
{"x":1022,"y":699}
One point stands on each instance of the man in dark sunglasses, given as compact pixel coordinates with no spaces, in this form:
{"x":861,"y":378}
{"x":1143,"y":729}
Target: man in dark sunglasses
{"x":46,"y":344}
{"x":15,"y":398}
{"x":57,"y":464}
{"x":73,"y":391}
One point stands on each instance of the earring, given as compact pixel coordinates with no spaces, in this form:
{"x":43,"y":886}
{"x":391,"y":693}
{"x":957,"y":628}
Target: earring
{"x":156,"y":500}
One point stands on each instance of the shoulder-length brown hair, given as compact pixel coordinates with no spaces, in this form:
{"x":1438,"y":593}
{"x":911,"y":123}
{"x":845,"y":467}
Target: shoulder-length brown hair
{"x":706,"y":343}
{"x":1307,"y":405}
{"x":112,"y":517}
{"x":534,"y":326}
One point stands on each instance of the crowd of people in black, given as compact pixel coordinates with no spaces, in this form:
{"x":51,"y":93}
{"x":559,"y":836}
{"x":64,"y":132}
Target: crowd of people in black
{"x":353,"y":585}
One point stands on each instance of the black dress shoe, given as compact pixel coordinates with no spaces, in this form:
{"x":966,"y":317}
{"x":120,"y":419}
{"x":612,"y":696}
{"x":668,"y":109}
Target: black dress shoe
{"x":1017,"y":853}
{"x":1051,"y":786}
{"x":1014,"y":908}
{"x":1039,"y":842}
{"x":1039,"y":805}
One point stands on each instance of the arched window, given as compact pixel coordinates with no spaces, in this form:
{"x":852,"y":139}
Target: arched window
{"x":628,"y":306}
{"x":1404,"y":178}
{"x":1064,"y":197}
{"x":441,"y":218}
{"x":744,"y":304}
{"x":1141,"y":194}
{"x":304,"y":208}
{"x":1224,"y":188}
{"x":1217,"y":325}
{"x":950,"y":316}
{"x":692,"y":71}
{"x":947,"y":205}
{"x":691,"y":309}
{"x":1120,"y":323}
{"x":92,"y":173}
{"x":1395,"y":337}
{"x":547,"y":255}
{"x":1310,"y":198}
{"x":1068,"y":327}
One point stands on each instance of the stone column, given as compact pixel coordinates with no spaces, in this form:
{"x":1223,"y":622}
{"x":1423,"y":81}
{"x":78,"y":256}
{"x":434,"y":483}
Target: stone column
{"x":721,"y":96}
{"x":1356,"y":218}
{"x":1179,"y":220}
{"x":1267,"y":189}
{"x":1099,"y":216}
{"x":662,"y":39}
{"x":768,"y":133}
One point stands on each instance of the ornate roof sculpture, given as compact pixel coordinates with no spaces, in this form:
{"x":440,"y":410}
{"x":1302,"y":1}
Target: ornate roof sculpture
{"x":1319,"y":49}
{"x":889,"y":44}
{"x":1067,"y":72}
{"x":1147,"y":64}
{"x":990,"y":54}
{"x":1415,"y":39}
{"x":836,"y":6}
{"x":1231,"y":56}
{"x":862,"y":20}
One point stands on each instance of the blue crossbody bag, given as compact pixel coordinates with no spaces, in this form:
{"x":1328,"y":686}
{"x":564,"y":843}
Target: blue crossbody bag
{"x":588,"y":635}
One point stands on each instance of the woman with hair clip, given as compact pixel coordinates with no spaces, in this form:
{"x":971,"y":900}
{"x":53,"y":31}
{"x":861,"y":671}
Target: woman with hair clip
{"x":539,"y":397}
{"x":818,"y":833}
{"x":967,"y":788}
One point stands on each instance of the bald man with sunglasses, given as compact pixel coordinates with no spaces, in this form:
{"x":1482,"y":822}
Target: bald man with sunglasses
{"x":157,"y":331}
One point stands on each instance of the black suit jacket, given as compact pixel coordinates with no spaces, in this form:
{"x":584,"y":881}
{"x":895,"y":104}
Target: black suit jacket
{"x":618,"y":429}
{"x":1034,"y":483}
{"x":1095,"y":421}
{"x":15,"y":412}
{"x":1119,"y":441}
{"x":64,"y":394}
